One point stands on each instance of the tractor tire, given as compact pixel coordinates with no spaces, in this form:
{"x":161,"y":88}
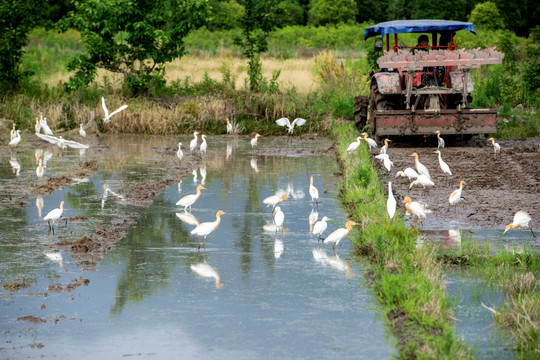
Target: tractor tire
{"x":360,"y":111}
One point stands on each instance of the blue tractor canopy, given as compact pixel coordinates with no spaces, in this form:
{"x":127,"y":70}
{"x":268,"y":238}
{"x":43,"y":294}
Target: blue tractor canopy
{"x":446,"y":28}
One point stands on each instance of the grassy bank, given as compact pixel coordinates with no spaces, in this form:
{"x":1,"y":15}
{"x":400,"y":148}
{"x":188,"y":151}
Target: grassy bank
{"x":407,"y":280}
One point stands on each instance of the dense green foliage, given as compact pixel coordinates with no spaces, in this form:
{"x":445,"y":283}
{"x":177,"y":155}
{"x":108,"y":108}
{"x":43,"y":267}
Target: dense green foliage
{"x":132,"y":37}
{"x":324,"y":12}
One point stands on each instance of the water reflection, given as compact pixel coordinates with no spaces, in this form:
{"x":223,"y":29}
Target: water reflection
{"x":16,"y":167}
{"x":278,"y":248}
{"x":205,"y":270}
{"x":253,"y":163}
{"x":55,"y":257}
{"x":39,"y":204}
{"x":188,"y":218}
{"x":333,"y":261}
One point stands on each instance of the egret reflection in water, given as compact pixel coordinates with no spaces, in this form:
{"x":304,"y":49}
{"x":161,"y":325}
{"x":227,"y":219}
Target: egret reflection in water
{"x":205,"y":270}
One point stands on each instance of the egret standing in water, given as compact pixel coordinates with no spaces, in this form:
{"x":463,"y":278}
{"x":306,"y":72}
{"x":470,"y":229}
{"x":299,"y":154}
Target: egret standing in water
{"x":16,"y":139}
{"x":274,"y":200}
{"x":354,"y":145}
{"x":336,"y":236}
{"x":54,"y":215}
{"x":81,"y":131}
{"x":279,"y":218}
{"x":229,"y":127}
{"x":521,"y":220}
{"x":287,"y":123}
{"x":189,"y":200}
{"x":440,"y":140}
{"x":444,"y":166}
{"x":206,"y":228}
{"x":12,"y":133}
{"x":180,"y":153}
{"x":193,"y":143}
{"x":496,"y":147}
{"x":391,"y":202}
{"x":420,"y":168}
{"x":203,"y":145}
{"x":371,"y":143}
{"x":313,"y":192}
{"x":320,"y":227}
{"x":254,"y":140}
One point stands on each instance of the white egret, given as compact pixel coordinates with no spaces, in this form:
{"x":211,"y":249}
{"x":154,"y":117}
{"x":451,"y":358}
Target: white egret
{"x":61,"y":142}
{"x":37,"y":126}
{"x":521,"y":220}
{"x":16,"y":139}
{"x":440,"y":140}
{"x":287,"y":123}
{"x":54,"y":215}
{"x":274,"y":200}
{"x":12,"y":133}
{"x":455,"y":197}
{"x":320,"y":227}
{"x":179,"y":152}
{"x":189,"y":200}
{"x":229,"y":127}
{"x":386,"y":161}
{"x":420,"y":168}
{"x":193,"y":143}
{"x":415,"y":208}
{"x":279,"y":218}
{"x":422,"y":180}
{"x":444,"y":166}
{"x":354,"y":145}
{"x":371,"y":143}
{"x":46,"y":129}
{"x":81,"y":131}
{"x":336,"y":236}
{"x":496,"y":147}
{"x":384,"y":148}
{"x":108,"y":116}
{"x":206,"y":228}
{"x":204,"y":145}
{"x":205,"y":270}
{"x":254,"y":140}
{"x":313,"y":192}
{"x":408,"y":172}
{"x":391,"y":202}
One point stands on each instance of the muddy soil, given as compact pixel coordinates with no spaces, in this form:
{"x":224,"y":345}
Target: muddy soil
{"x":497,"y":185}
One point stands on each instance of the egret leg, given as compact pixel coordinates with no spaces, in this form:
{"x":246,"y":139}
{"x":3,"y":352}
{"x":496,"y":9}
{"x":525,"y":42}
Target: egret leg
{"x":534,"y":236}
{"x":49,"y":222}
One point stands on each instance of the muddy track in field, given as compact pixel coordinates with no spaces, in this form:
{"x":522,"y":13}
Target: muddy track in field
{"x":497,"y":185}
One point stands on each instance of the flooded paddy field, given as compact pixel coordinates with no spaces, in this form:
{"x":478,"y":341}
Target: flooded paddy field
{"x":123,"y":276}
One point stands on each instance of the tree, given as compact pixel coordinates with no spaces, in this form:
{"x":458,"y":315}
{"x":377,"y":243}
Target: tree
{"x":487,"y":16}
{"x":132,"y":37}
{"x":17,"y":18}
{"x":324,"y":12}
{"x":260,"y":17}
{"x":225,"y":15}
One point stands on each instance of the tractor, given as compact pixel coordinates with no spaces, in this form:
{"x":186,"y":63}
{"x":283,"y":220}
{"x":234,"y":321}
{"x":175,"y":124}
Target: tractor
{"x":421,"y":89}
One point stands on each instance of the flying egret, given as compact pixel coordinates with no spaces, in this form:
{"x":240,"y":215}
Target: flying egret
{"x":415,"y":208}
{"x":336,"y":236}
{"x":384,"y":148}
{"x":313,"y":216}
{"x":180,"y":153}
{"x":254,"y":140}
{"x":320,"y":227}
{"x":420,"y":168}
{"x":285,"y":122}
{"x":61,"y":142}
{"x":371,"y":143}
{"x":189,"y":200}
{"x":455,"y":197}
{"x":16,"y":139}
{"x":12,"y":133}
{"x":313,"y":192}
{"x":521,"y":220}
{"x":422,"y":180}
{"x":440,"y":140}
{"x":204,"y":145}
{"x":54,"y":215}
{"x":279,"y":218}
{"x":408,"y":172}
{"x":391,"y":202}
{"x":205,"y":270}
{"x":386,"y":161}
{"x":496,"y":147}
{"x":39,"y":170}
{"x":444,"y":166}
{"x":81,"y":131}
{"x":206,"y":228}
{"x":193,"y":143}
{"x":108,"y":116}
{"x":354,"y":145}
{"x":274,"y":200}
{"x":37,"y":126}
{"x":229,"y":127}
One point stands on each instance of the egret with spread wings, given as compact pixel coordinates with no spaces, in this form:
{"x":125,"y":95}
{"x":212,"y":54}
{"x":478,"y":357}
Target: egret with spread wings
{"x":61,"y":142}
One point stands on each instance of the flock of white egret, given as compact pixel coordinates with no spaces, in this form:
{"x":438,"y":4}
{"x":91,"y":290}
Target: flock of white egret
{"x":421,"y":176}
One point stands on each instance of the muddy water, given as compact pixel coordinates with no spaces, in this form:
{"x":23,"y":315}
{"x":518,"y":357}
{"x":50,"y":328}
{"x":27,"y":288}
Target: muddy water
{"x":278,"y":295}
